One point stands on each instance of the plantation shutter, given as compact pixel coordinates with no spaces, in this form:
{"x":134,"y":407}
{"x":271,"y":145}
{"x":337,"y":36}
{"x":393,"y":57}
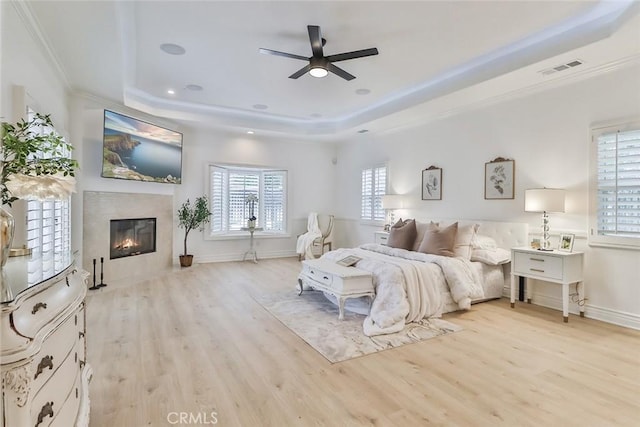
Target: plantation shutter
{"x":374,"y":186}
{"x":48,"y":228}
{"x":218,"y":206}
{"x":241,"y":184}
{"x":273,"y":200}
{"x":618,"y":186}
{"x":230,"y":187}
{"x":380,"y":188}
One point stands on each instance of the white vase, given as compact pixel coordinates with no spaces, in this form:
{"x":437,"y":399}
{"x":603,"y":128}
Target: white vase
{"x":7,"y":228}
{"x":251,"y":223}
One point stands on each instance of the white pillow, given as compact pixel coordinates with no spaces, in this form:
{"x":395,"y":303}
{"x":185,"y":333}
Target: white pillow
{"x":495,"y":256}
{"x":483,"y":242}
{"x":464,"y":237}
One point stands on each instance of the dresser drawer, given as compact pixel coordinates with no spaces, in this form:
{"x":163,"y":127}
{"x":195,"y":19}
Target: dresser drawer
{"x":541,"y":265}
{"x":67,"y":415}
{"x":318,"y":275}
{"x":49,"y":400}
{"x":53,"y":352}
{"x":40,"y":308}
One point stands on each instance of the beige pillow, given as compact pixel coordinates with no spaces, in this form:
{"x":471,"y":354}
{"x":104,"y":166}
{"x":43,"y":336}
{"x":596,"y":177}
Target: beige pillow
{"x":402,"y":234}
{"x":464,"y":237}
{"x":439,"y":241}
{"x":422,"y":227}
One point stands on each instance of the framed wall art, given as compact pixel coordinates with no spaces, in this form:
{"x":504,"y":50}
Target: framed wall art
{"x":498,"y":179}
{"x":432,"y":183}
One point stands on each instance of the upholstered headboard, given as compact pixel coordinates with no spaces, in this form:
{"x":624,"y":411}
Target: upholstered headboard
{"x":506,"y":234}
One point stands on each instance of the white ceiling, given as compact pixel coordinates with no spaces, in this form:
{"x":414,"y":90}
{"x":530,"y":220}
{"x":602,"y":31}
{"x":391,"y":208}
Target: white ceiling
{"x":429,"y":51}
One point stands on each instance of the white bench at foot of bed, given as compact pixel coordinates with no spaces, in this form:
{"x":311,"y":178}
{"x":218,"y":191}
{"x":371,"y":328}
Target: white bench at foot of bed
{"x":334,"y":279}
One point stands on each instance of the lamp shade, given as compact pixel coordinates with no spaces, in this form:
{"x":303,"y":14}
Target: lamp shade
{"x":544,"y":200}
{"x":392,"y":201}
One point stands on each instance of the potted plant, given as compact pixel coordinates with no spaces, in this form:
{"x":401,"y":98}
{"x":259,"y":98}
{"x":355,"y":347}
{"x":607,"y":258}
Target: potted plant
{"x":191,"y":217}
{"x":33,"y":164}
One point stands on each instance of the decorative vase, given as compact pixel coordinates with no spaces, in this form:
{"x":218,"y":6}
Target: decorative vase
{"x":251,"y":223}
{"x":7,"y":228}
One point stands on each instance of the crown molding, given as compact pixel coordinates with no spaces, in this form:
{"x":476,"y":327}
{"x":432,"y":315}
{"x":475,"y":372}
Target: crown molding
{"x":34,"y":28}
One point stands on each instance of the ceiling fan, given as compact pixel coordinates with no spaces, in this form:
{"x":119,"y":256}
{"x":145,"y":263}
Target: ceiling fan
{"x":320,"y":65}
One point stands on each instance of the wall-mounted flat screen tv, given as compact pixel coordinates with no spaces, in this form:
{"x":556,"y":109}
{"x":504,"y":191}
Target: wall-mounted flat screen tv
{"x":140,"y":151}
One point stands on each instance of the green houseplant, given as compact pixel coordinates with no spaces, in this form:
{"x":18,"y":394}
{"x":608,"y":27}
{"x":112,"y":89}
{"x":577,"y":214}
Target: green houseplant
{"x":34,"y":163}
{"x":191,"y":217}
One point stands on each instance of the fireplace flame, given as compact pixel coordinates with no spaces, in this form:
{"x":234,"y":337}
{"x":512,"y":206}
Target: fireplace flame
{"x":127,"y":244}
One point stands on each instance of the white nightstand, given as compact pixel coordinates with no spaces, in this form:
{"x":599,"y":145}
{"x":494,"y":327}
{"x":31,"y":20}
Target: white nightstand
{"x":563,"y":268}
{"x":381,"y":237}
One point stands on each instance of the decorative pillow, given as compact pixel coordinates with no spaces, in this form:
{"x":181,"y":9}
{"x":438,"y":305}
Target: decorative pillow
{"x":422,"y":227}
{"x":483,"y":242}
{"x":402,"y":234}
{"x":462,"y":245}
{"x":495,"y":256}
{"x":439,"y":241}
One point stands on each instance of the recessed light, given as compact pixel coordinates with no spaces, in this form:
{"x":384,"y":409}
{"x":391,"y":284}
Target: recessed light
{"x":250,"y":132}
{"x":171,"y":91}
{"x":195,"y":88}
{"x":363,"y":91}
{"x":172,"y":49}
{"x":260,"y":107}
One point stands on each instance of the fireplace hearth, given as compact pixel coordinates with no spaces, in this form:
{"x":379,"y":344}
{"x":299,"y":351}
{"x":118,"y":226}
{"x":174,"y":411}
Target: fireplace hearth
{"x":130,"y":237}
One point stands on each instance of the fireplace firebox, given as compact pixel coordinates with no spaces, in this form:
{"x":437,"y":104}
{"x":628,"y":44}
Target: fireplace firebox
{"x":131,"y":237}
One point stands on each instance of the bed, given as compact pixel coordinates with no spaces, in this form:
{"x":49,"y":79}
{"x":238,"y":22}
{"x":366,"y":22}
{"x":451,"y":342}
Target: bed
{"x":413,"y":281}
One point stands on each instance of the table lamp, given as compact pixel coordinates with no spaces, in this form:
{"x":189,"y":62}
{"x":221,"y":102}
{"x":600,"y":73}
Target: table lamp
{"x":390,"y":202}
{"x":544,"y":200}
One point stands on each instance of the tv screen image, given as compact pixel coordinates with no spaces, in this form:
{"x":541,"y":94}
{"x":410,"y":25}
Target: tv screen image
{"x":140,"y":151}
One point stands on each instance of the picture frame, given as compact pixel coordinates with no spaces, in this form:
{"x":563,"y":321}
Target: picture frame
{"x":566,"y":242}
{"x":499,"y":176}
{"x":432,"y":183}
{"x":349,"y":261}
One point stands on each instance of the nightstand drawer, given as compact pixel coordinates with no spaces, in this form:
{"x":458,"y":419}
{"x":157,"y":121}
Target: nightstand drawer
{"x":541,"y":265}
{"x":381,"y":237}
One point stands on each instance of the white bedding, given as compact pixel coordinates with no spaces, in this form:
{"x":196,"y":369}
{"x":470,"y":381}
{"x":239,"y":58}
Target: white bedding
{"x":409,"y":285}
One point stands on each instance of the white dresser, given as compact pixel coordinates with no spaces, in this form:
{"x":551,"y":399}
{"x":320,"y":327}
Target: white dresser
{"x":564,"y":268}
{"x":45,"y":376}
{"x":334,"y":279}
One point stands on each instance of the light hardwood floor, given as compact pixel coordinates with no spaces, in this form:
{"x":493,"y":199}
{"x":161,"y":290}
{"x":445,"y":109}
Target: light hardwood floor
{"x":195,"y":341}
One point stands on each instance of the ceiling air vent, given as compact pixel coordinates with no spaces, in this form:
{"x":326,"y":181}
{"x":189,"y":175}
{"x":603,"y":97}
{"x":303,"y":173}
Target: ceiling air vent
{"x":561,"y":67}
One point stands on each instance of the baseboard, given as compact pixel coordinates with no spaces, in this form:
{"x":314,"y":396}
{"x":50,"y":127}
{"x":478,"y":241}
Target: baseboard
{"x":237,"y":256}
{"x":620,"y":318}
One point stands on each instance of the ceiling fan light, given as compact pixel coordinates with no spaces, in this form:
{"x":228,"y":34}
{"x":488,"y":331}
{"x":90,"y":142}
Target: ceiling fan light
{"x":318,"y":72}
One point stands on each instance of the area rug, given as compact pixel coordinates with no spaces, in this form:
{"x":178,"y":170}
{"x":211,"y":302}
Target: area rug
{"x":314,"y":318}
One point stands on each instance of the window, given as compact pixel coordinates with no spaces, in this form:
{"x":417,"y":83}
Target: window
{"x":615,"y":187}
{"x":48,"y":230}
{"x":230,"y":186}
{"x":374,"y":186}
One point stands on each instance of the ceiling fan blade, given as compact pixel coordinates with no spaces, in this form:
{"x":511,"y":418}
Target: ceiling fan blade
{"x":301,"y":72}
{"x":315,"y":37}
{"x":286,"y":55}
{"x":340,"y":72}
{"x":353,"y":55}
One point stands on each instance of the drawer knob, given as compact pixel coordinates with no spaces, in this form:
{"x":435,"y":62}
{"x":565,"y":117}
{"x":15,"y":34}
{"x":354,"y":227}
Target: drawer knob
{"x":38,"y":306}
{"x":537,"y":259}
{"x":46,"y":362}
{"x":47,"y":410}
{"x":325,"y":277}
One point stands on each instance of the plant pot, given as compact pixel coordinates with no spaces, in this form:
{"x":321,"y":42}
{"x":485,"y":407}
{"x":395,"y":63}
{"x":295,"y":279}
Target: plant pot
{"x":251,"y":223}
{"x":186,"y":260}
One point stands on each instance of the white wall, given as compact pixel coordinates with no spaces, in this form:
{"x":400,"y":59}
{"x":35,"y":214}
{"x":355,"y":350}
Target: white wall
{"x":311,"y":184}
{"x":548,"y":135}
